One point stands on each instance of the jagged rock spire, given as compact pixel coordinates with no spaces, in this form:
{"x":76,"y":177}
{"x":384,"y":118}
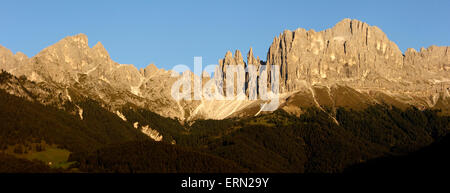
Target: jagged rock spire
{"x":238,"y":59}
{"x":250,"y":58}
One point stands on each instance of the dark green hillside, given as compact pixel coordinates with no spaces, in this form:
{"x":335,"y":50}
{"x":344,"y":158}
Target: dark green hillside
{"x":432,"y":159}
{"x":166,"y":126}
{"x":313,"y":142}
{"x":280,"y":142}
{"x":321,"y":145}
{"x":151,"y":157}
{"x":390,"y":127}
{"x":11,"y":164}
{"x":24,"y":122}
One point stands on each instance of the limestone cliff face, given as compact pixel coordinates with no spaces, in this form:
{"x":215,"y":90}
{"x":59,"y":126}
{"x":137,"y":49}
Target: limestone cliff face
{"x":433,"y":60}
{"x":352,"y":52}
{"x":12,"y":62}
{"x":71,"y":63}
{"x":237,"y":60}
{"x":230,"y":60}
{"x":65,"y":60}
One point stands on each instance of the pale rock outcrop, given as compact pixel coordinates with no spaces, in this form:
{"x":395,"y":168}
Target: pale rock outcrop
{"x":154,"y":134}
{"x":121,"y":116}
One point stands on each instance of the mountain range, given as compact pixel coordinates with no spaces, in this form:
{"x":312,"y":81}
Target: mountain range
{"x":346,"y":72}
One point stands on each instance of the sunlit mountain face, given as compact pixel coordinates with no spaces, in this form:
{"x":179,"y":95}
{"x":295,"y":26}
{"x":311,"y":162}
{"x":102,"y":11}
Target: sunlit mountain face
{"x":341,"y":99}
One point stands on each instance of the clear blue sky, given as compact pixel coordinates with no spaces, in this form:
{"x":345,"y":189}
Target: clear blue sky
{"x":168,"y":33}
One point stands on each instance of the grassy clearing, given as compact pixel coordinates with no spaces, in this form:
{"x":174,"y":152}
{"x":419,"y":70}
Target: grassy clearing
{"x":54,"y":157}
{"x":49,"y":154}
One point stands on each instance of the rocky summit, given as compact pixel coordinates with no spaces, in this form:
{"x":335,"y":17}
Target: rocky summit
{"x":350,"y":65}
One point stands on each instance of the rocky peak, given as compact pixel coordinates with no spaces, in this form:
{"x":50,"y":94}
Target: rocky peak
{"x":251,"y":58}
{"x":5,"y":51}
{"x":71,"y":50}
{"x":70,"y":58}
{"x":10,"y":61}
{"x":21,"y":56}
{"x":98,"y":48}
{"x":150,"y":70}
{"x":433,"y":59}
{"x":71,"y":43}
{"x":238,"y":59}
{"x":5,"y":57}
{"x":349,"y":51}
{"x":220,"y":75}
{"x":79,"y":39}
{"x":229,"y":59}
{"x":205,"y":74}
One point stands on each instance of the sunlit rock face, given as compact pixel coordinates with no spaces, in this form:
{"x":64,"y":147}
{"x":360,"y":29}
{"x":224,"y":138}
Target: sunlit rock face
{"x":351,"y":59}
{"x":354,"y":53}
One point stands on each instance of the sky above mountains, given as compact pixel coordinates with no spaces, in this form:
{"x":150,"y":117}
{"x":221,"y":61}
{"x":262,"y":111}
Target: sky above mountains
{"x":168,"y":33}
